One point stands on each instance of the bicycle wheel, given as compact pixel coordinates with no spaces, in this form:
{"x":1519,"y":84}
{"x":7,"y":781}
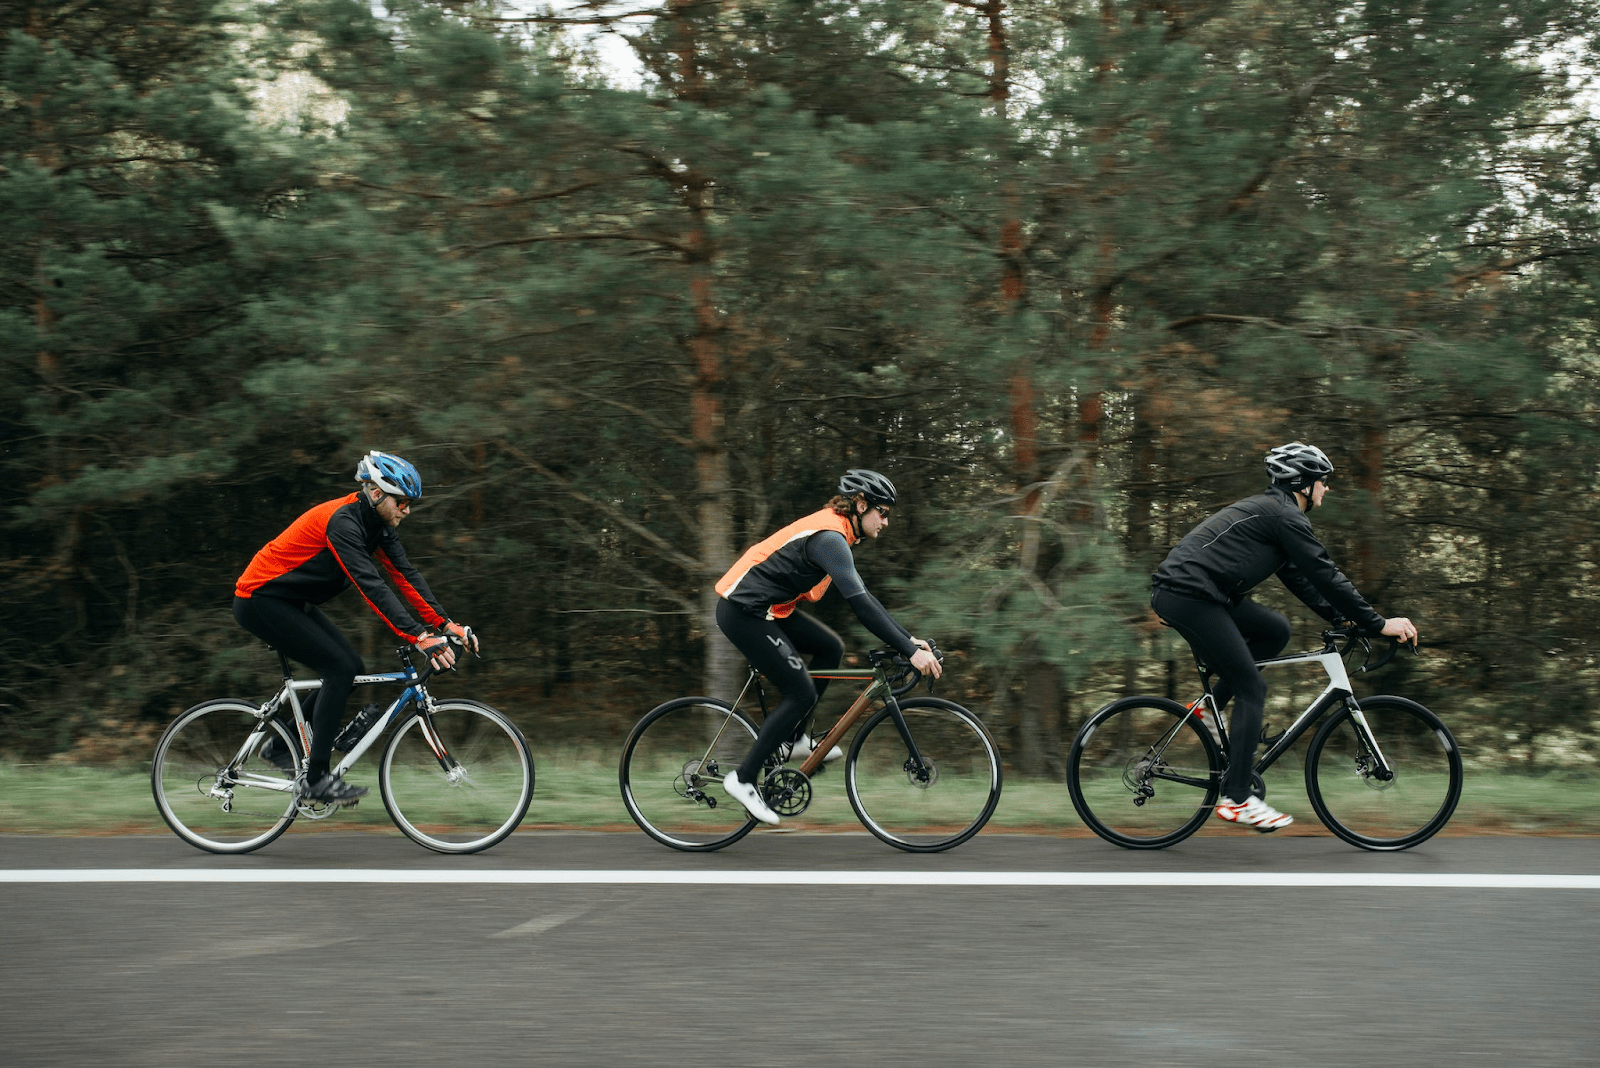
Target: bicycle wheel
{"x":475,"y":795}
{"x":672,"y":769}
{"x":938,"y":805}
{"x":1365,"y":810}
{"x":1144,"y":773}
{"x":211,"y":784}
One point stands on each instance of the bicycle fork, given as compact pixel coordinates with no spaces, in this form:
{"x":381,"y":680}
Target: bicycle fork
{"x":454,"y":771}
{"x":915,"y":766}
{"x":1380,"y":769}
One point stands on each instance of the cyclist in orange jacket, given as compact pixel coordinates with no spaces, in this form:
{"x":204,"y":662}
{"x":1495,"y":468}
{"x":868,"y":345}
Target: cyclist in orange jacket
{"x":345,"y":541}
{"x":758,"y":613}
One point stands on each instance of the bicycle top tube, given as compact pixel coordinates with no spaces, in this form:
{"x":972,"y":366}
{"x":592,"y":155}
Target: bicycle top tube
{"x":860,"y":674}
{"x":299,"y":685}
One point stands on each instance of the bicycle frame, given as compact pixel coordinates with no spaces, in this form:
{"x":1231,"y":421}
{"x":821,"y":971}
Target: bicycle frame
{"x":1338,"y":691}
{"x":415,"y":691}
{"x":878,"y":688}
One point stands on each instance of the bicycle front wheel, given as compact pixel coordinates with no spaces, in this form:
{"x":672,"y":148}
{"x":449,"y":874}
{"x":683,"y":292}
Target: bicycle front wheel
{"x":1144,"y":773}
{"x":1376,"y":809}
{"x":672,"y":769}
{"x":211,"y":784}
{"x":466,"y":797}
{"x":931,"y":804}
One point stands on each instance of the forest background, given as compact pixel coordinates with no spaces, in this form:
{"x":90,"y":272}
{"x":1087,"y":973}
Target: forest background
{"x":1063,"y":270}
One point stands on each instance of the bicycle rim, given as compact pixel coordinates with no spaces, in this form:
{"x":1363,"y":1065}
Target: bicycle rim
{"x":210,"y":799}
{"x":475,"y":801}
{"x":1350,"y":798}
{"x":672,"y":769}
{"x":1143,"y":773}
{"x":936,"y":806}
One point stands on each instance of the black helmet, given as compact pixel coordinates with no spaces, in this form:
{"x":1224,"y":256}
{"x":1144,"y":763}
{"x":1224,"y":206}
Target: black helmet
{"x":1297,"y":466}
{"x":871,"y":485}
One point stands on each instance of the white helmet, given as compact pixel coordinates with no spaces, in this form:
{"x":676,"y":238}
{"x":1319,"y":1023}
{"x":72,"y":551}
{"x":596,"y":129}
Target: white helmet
{"x":1298,"y":465}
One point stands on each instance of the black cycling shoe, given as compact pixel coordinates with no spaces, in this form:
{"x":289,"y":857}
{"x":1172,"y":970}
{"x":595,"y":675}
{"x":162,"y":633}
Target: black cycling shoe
{"x":331,"y":788}
{"x":274,"y":752}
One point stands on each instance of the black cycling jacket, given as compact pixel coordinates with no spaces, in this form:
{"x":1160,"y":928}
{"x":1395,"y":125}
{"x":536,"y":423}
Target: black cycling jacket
{"x":1234,"y":551}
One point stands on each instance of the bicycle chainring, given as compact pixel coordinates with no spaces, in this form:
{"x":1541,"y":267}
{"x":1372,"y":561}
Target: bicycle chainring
{"x":788,"y":791}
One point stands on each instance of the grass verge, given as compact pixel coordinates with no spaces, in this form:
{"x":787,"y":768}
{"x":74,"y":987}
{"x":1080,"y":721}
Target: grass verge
{"x":577,"y":788}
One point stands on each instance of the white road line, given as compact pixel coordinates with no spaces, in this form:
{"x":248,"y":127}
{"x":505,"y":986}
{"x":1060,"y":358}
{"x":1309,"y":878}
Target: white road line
{"x":567,"y":877}
{"x":540,"y":924}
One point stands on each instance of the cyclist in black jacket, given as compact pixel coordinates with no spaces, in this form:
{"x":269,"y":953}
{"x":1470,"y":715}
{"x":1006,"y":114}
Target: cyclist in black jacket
{"x":1201,"y":589}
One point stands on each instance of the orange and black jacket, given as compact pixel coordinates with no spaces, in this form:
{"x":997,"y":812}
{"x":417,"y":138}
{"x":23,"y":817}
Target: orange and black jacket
{"x":334,"y":545}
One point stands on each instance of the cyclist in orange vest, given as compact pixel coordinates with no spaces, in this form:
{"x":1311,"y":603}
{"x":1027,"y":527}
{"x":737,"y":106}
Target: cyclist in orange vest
{"x":757,"y":611}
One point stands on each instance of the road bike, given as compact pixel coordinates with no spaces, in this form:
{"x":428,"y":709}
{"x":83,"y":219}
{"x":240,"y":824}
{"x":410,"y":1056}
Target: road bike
{"x":1382,"y":773}
{"x":922,"y":774}
{"x":456,"y":776}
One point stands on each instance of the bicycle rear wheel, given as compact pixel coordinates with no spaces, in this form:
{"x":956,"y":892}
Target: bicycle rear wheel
{"x":211,"y":784}
{"x":934,"y":806}
{"x":1342,"y":777}
{"x":672,"y":769}
{"x":1144,"y":773}
{"x":472,"y":798}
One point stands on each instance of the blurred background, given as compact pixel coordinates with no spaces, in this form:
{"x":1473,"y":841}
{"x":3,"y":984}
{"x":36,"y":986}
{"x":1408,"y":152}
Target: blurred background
{"x":632,"y":284}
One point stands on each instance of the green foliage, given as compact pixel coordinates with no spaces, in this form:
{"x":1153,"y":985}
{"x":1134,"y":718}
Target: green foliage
{"x":1065,"y":276}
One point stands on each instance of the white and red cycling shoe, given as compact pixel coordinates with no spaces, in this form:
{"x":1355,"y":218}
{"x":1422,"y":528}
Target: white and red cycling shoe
{"x":1253,"y":812}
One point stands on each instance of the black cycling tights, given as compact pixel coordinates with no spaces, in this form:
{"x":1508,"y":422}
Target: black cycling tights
{"x":1229,"y":641}
{"x":302,"y":632}
{"x":775,"y":648}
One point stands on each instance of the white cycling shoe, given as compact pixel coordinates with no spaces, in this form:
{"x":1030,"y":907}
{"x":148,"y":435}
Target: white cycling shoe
{"x":1252,"y":812}
{"x":749,"y":797}
{"x":801,"y":748}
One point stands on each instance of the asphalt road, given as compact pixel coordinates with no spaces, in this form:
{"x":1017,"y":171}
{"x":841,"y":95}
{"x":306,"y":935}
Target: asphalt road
{"x":623,"y":973}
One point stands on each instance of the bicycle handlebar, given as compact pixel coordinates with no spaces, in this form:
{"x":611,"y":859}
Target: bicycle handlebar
{"x":904,"y":670}
{"x":428,"y":670}
{"x":1350,"y":637}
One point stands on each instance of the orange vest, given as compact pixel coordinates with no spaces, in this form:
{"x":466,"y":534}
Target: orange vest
{"x":815,"y":523}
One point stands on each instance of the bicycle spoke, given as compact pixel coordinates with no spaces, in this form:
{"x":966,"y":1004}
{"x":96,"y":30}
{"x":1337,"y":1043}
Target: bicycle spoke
{"x":211,"y":796}
{"x":1394,"y":803}
{"x":477,"y":799}
{"x":672,"y":769}
{"x":935,"y":800}
{"x":1141,"y":774}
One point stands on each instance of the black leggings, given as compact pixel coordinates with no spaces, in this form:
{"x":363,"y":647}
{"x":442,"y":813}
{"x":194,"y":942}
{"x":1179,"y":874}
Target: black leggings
{"x":774,"y":647}
{"x":303,"y":633}
{"x":1229,"y":641}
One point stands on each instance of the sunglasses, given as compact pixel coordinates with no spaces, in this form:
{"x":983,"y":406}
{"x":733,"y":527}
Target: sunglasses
{"x":402,"y":503}
{"x":882,"y":510}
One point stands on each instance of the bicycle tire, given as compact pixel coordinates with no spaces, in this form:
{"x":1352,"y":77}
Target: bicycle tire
{"x":199,"y":753}
{"x":932,"y":809}
{"x":1129,"y":793}
{"x":1372,"y":814}
{"x":671,"y":772}
{"x":479,"y":799}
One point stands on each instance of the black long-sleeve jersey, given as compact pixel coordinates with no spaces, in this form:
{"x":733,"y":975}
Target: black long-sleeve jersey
{"x":1235,"y":550}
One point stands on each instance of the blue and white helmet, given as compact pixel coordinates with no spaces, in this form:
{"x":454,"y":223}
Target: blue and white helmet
{"x":390,"y":473}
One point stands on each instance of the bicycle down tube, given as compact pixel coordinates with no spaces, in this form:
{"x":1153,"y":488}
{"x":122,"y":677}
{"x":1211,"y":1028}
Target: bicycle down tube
{"x":1337,"y":690}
